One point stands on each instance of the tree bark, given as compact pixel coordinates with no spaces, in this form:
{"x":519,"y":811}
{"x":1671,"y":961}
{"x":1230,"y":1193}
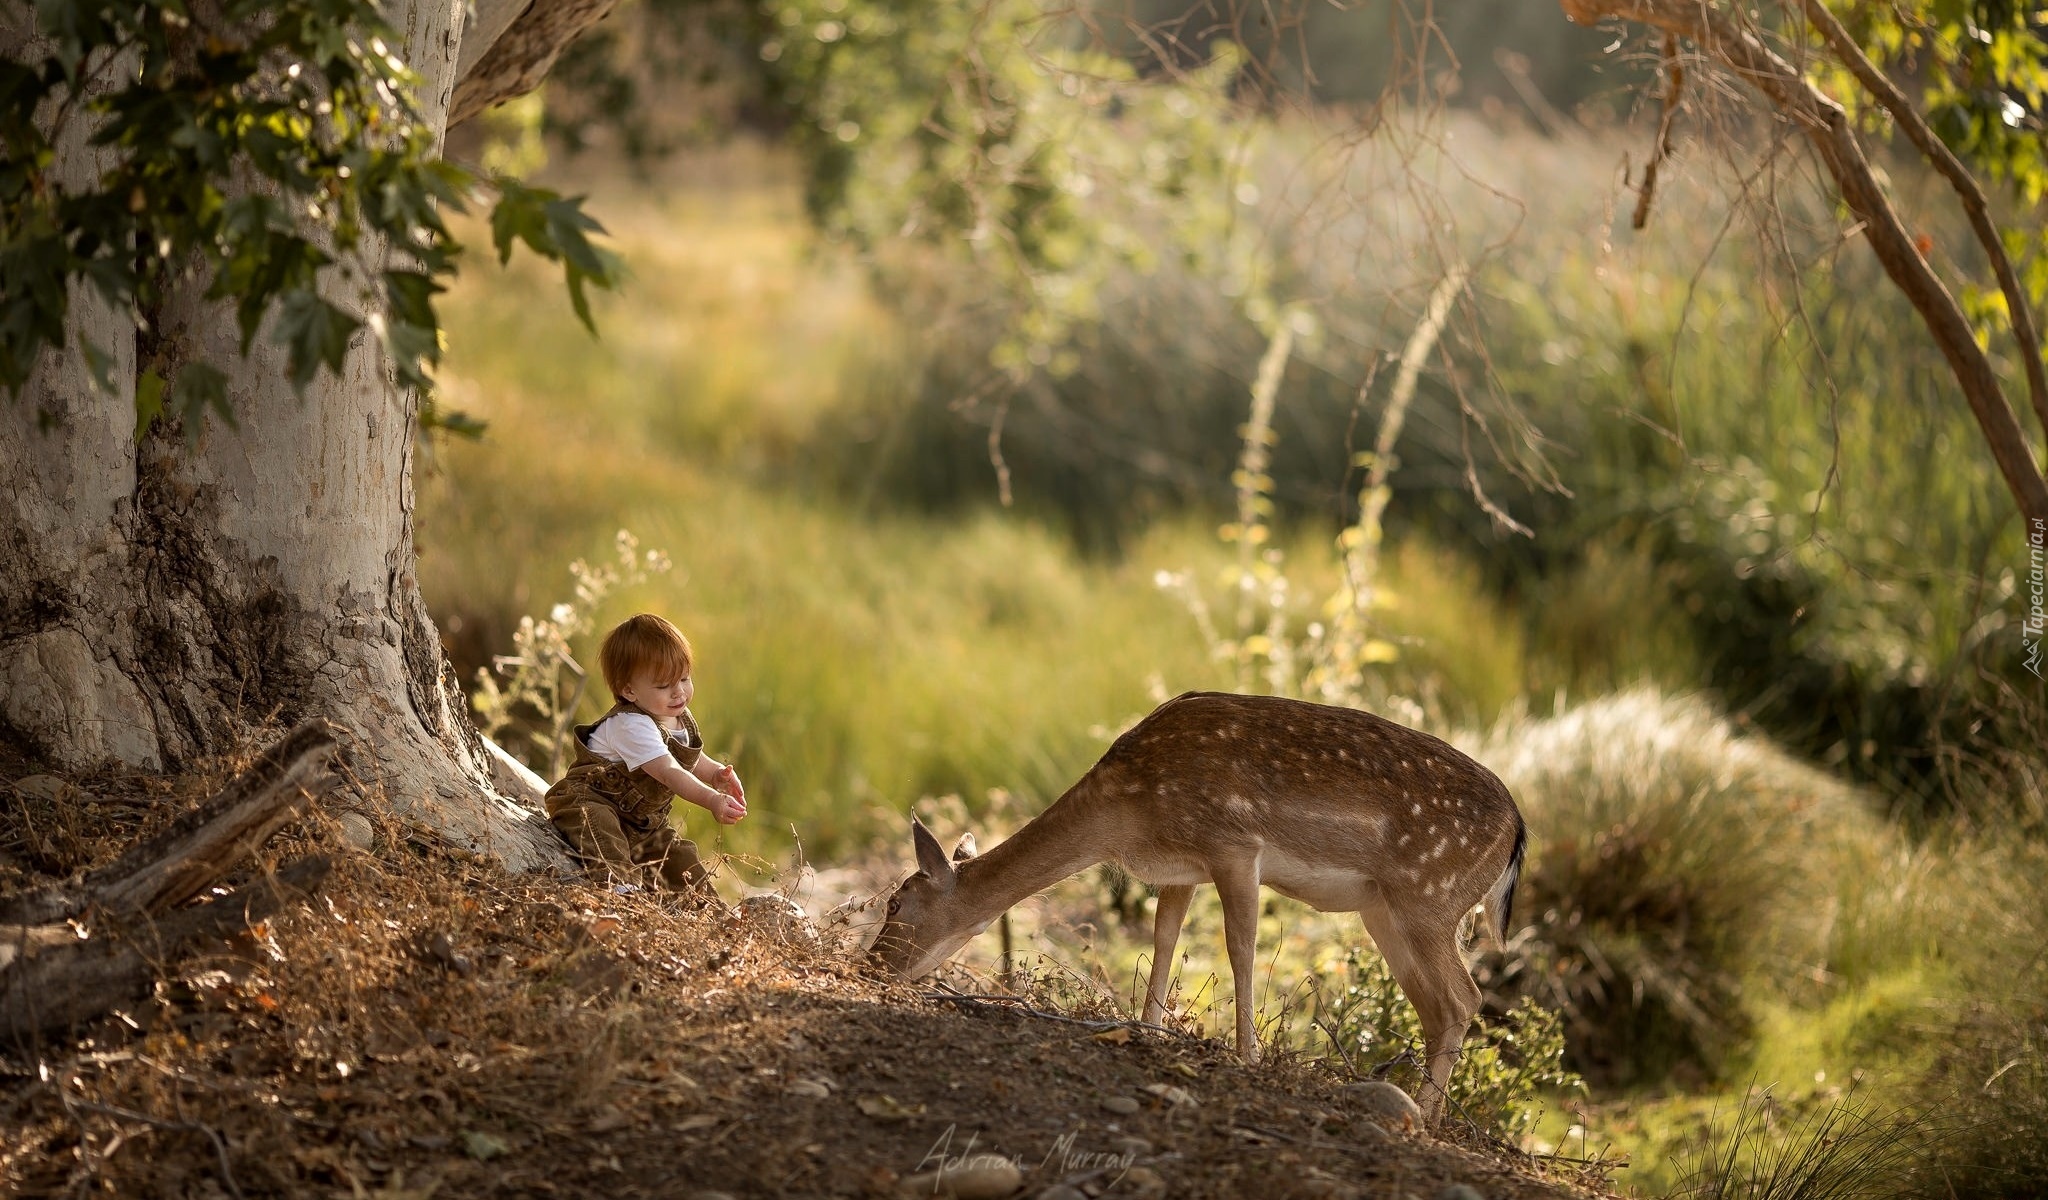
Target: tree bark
{"x":1827,"y":127}
{"x":157,"y":602}
{"x":523,"y":54}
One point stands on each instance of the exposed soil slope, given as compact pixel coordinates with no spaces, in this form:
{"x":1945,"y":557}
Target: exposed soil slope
{"x":430,"y":1025}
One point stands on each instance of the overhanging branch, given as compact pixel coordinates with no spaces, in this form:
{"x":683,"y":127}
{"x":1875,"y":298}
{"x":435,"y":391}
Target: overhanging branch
{"x":1827,"y":127}
{"x":2019,"y":313}
{"x":520,"y":56}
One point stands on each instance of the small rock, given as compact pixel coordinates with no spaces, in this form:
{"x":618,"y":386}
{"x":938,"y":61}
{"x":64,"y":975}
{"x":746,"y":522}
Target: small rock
{"x":357,"y":831}
{"x":1385,"y":1104}
{"x":1173,"y":1094}
{"x":1324,"y":1186}
{"x":482,"y":1146}
{"x":1135,"y":1147}
{"x":779,"y":917}
{"x":888,"y":1108}
{"x":1145,"y":1183}
{"x":430,"y":1141}
{"x":437,"y":947}
{"x":1060,"y":1191}
{"x":810,"y":1089}
{"x":54,"y":790}
{"x":596,"y":972}
{"x":1459,"y":1191}
{"x":607,"y":1120}
{"x":987,"y":1177}
{"x":1122,"y":1106}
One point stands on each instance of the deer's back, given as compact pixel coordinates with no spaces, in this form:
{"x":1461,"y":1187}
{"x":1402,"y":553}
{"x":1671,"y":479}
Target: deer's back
{"x":1309,"y":781}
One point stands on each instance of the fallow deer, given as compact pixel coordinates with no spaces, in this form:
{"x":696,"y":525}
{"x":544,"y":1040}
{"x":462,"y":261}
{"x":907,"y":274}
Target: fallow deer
{"x":1335,"y":807}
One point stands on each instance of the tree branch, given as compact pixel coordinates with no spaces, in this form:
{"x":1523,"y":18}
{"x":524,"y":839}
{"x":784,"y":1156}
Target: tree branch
{"x":67,"y":983}
{"x":200,"y":846}
{"x":521,"y":57}
{"x":2020,"y":314}
{"x":1827,"y":128}
{"x":490,"y":21}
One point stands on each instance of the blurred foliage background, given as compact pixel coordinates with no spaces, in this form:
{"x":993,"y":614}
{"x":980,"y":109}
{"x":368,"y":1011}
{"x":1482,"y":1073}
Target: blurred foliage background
{"x":932,"y":377}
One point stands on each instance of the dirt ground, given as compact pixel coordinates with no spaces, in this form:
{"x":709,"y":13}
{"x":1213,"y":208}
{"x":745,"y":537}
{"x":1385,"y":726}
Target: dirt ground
{"x":428,"y":1025}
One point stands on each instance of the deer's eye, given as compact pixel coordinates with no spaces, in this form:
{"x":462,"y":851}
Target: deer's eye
{"x":894,"y":904}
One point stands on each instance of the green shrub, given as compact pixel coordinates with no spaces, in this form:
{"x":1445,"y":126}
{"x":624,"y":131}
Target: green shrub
{"x":1673,"y":863}
{"x":1516,"y":1061}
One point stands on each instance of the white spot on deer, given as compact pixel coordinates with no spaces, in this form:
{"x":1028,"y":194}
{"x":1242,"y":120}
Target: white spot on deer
{"x":1403,"y":841}
{"x":1442,"y":845}
{"x":1414,"y":810}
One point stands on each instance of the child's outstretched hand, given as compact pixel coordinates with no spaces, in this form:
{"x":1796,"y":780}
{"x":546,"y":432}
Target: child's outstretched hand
{"x":728,"y":809}
{"x":729,"y":783}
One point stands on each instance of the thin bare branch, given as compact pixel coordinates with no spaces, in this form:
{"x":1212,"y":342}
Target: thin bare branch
{"x":1827,"y":127}
{"x":2019,"y":312}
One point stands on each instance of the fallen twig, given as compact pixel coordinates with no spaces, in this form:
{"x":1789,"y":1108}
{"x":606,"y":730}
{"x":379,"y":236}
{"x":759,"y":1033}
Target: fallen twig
{"x":220,"y":1144}
{"x":1017,"y":1004}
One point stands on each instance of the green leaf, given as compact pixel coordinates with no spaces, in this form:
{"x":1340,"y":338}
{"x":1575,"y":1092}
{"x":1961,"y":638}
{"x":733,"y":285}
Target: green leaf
{"x":198,"y":387}
{"x":149,"y":402}
{"x":433,"y":418}
{"x":99,"y":364}
{"x":314,"y":334}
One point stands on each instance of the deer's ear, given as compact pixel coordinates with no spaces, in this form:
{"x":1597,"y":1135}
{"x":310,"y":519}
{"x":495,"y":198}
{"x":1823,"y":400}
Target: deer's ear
{"x":931,"y":860}
{"x":965,"y":850}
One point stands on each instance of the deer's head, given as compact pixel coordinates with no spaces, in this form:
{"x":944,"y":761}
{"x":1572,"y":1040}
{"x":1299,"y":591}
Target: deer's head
{"x":926,"y":922}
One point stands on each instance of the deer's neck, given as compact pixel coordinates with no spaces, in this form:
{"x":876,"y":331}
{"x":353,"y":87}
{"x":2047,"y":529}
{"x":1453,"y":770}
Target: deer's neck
{"x":1069,"y":836}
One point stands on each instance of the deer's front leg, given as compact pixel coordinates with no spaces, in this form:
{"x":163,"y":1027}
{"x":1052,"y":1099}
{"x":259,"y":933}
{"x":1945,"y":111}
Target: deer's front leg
{"x":1238,"y":887}
{"x":1167,"y":917}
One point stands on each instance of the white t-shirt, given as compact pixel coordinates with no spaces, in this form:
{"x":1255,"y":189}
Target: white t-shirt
{"x":631,"y":738}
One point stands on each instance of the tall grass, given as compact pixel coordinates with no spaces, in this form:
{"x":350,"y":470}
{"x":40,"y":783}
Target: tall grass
{"x":849,"y":662}
{"x":1743,"y":467}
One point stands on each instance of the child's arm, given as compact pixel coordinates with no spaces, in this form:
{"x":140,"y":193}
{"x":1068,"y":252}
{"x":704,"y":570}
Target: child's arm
{"x":727,"y":808}
{"x":719,"y":776}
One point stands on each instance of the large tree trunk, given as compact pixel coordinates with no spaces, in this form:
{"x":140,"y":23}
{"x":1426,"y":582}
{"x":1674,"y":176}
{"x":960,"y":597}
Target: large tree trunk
{"x":156,"y":602}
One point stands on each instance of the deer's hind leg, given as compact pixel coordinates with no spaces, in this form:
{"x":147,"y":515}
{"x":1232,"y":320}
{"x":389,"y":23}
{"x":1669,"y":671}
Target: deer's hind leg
{"x":1427,"y":963}
{"x":1168,"y":915}
{"x":1238,"y":888}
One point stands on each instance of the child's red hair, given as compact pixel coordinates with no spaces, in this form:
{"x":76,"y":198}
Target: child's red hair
{"x":643,"y":643}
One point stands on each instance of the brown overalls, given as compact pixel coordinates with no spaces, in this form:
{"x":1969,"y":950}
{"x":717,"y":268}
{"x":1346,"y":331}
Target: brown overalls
{"x":616,"y":818}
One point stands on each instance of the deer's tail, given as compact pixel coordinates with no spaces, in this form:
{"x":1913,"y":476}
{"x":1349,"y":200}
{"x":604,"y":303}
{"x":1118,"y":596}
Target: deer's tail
{"x":1500,"y":902}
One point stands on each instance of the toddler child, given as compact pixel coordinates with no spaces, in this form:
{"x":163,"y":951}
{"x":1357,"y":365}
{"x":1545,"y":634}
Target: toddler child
{"x":613,"y":804}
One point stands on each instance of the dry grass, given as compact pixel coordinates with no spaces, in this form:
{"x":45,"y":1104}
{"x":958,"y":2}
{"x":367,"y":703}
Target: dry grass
{"x":430,"y":1025}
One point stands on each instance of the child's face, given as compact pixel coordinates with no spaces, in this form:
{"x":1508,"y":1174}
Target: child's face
{"x":657,"y":696}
